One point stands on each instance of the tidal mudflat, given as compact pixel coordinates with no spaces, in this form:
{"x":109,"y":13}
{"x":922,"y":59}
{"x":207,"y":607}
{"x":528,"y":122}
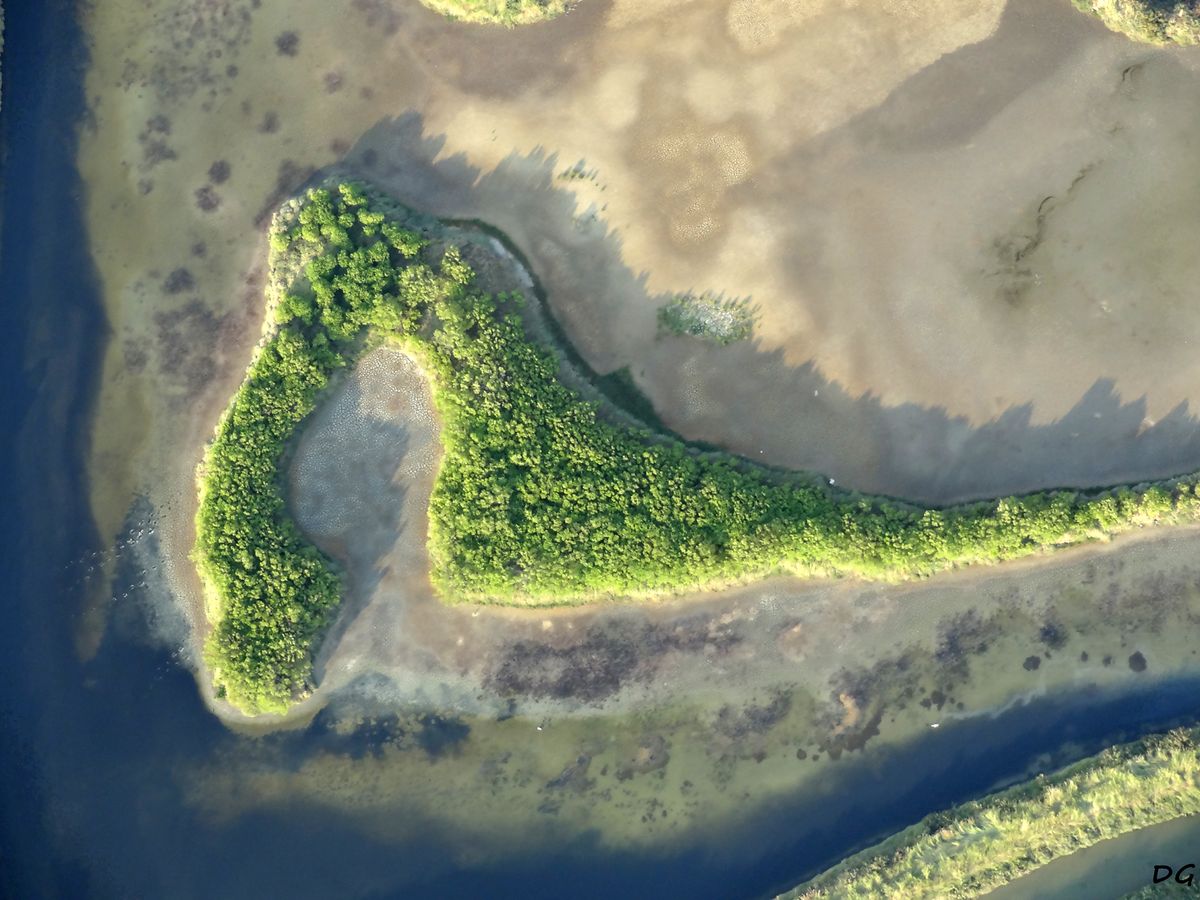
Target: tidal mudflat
{"x":969,"y":250}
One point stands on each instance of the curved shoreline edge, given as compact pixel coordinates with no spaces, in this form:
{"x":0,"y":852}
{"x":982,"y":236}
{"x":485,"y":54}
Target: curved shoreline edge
{"x":544,"y":497}
{"x":983,"y":844}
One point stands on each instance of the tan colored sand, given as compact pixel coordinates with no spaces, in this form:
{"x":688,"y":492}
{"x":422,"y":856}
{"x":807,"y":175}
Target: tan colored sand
{"x":613,"y":85}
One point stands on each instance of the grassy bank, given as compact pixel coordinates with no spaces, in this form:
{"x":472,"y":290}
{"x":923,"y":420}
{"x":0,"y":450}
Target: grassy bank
{"x":1163,"y":891}
{"x":1149,"y":21}
{"x":539,"y":500}
{"x":500,"y":12}
{"x":978,"y":846}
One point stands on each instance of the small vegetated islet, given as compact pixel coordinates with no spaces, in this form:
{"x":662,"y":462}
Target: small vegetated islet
{"x":539,"y":499}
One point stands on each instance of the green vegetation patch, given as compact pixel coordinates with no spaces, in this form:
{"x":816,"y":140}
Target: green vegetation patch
{"x":500,"y":12}
{"x":538,"y":500}
{"x":711,"y":318}
{"x":1149,"y":21}
{"x":974,"y":848}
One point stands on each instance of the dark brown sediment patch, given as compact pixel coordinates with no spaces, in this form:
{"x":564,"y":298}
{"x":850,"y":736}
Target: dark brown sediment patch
{"x":207,"y":199}
{"x":287,"y":43}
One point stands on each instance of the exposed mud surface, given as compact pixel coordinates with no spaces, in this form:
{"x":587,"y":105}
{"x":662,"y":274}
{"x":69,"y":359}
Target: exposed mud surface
{"x":964,"y":223}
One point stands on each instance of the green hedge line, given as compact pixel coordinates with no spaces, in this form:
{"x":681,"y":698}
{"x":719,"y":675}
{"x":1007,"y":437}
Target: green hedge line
{"x":538,"y":500}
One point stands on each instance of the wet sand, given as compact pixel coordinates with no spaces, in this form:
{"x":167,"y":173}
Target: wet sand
{"x":967,"y":228}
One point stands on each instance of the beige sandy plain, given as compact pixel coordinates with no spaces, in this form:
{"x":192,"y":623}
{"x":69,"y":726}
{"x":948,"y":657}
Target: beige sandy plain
{"x":968,"y":227}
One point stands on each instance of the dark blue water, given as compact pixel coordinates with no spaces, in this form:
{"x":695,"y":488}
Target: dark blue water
{"x":89,"y":806}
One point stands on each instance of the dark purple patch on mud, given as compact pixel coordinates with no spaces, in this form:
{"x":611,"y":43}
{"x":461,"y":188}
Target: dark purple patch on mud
{"x":609,"y":656}
{"x":287,"y":43}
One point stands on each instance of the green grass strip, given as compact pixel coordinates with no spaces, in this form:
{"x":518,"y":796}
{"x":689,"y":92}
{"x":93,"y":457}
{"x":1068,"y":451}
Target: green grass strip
{"x":979,"y":846}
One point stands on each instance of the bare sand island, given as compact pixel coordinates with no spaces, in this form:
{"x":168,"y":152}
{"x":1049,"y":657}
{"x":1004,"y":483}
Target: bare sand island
{"x":589,"y":269}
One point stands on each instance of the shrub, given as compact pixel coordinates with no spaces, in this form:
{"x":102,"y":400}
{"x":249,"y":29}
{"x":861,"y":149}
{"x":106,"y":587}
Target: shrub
{"x":705,"y":316}
{"x":500,"y":12}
